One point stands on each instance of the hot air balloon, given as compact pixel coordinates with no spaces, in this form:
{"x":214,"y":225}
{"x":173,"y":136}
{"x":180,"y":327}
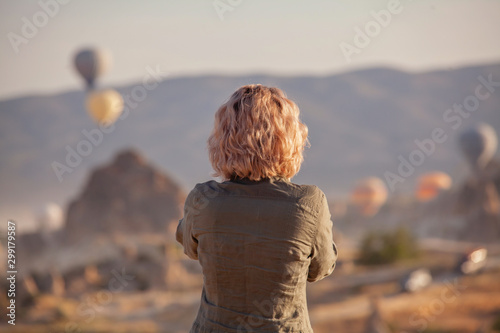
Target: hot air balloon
{"x":478,"y":144}
{"x":369,"y":194}
{"x":431,"y":184}
{"x":91,"y":63}
{"x":50,"y":217}
{"x":105,"y":106}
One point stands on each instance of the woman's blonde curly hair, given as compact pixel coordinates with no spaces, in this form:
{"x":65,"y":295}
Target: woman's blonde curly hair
{"x":257,"y":134}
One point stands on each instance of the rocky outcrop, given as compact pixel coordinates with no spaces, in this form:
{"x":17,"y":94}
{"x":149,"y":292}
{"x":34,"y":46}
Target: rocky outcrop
{"x":478,"y":200}
{"x":126,"y":197}
{"x":123,"y":221}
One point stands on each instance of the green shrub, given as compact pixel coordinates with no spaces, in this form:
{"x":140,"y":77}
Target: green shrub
{"x":496,"y":324}
{"x":387,"y":247}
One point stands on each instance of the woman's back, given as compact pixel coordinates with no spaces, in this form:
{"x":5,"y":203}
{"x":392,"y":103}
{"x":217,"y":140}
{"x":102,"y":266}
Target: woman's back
{"x":258,"y":243}
{"x":259,"y":238}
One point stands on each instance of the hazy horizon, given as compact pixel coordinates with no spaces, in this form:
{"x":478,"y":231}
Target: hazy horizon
{"x":132,"y":81}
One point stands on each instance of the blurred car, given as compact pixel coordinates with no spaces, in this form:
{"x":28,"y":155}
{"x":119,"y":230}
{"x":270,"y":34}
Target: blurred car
{"x":416,"y":280}
{"x":472,"y":261}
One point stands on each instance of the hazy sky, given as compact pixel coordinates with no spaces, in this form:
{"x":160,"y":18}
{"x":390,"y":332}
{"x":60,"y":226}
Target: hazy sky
{"x":188,"y":37}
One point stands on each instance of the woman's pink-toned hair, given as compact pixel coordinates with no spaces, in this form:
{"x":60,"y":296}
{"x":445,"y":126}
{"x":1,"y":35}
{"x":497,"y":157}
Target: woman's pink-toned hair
{"x":257,"y":134}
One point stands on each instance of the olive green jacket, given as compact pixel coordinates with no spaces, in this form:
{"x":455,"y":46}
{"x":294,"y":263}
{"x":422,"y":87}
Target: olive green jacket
{"x":257,"y":243}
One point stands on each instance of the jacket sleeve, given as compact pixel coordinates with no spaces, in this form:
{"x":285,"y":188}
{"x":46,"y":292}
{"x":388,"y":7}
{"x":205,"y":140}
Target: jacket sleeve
{"x":184,"y":233}
{"x":324,"y":251}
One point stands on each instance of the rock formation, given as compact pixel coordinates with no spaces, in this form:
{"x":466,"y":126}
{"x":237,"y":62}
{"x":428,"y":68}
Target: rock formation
{"x":126,"y":197}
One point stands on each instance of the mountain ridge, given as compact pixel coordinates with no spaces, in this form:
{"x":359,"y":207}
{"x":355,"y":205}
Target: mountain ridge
{"x":359,"y":123}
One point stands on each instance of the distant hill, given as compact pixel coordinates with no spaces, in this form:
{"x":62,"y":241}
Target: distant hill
{"x":359,"y":123}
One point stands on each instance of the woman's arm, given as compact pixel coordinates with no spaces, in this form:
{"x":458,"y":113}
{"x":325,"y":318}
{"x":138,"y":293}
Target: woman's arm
{"x":324,"y":251}
{"x":184,"y":234}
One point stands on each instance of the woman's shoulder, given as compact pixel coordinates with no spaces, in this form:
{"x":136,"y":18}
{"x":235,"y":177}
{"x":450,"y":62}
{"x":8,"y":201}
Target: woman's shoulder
{"x":308,"y":194}
{"x":311,"y":195}
{"x":309,"y":190}
{"x":204,"y":189}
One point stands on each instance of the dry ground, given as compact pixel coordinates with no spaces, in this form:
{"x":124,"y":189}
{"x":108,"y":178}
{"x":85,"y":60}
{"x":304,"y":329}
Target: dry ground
{"x":343,"y":302}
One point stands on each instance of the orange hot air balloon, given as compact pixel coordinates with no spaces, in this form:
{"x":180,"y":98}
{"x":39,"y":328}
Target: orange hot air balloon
{"x":431,"y":184}
{"x":105,"y":106}
{"x":369,"y":194}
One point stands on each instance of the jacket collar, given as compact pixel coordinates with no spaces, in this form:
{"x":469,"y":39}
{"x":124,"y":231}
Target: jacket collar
{"x":262,"y":181}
